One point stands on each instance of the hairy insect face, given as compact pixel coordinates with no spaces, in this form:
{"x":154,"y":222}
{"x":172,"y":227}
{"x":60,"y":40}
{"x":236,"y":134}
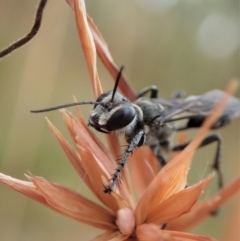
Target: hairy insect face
{"x":112,"y":114}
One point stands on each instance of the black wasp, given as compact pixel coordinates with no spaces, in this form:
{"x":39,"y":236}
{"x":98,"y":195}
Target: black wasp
{"x":152,"y":121}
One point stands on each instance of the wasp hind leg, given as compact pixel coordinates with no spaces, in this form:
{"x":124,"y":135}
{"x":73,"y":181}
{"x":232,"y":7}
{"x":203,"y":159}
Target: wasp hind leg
{"x":217,"y":160}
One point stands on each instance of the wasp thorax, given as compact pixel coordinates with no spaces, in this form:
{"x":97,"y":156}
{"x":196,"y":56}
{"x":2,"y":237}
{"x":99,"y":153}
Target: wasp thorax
{"x":111,"y":114}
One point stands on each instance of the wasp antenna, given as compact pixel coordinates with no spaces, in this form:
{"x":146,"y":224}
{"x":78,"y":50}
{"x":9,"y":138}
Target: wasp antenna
{"x":64,"y":106}
{"x":116,"y":83}
{"x":35,"y":28}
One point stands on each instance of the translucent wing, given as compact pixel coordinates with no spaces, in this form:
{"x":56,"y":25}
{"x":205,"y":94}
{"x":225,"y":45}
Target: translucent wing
{"x":197,"y":108}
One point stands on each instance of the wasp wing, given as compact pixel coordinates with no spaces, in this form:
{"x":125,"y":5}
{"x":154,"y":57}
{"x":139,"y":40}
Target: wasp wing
{"x":197,"y":108}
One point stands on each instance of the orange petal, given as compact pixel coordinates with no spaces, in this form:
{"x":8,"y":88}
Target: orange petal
{"x":85,"y":127}
{"x":114,"y":145}
{"x":88,"y":45}
{"x":75,"y":205}
{"x":177,"y":204}
{"x":232,"y":223}
{"x":24,"y":187}
{"x":73,"y":158}
{"x":82,"y":137}
{"x":203,"y":209}
{"x":143,"y":169}
{"x":170,"y":180}
{"x":95,"y":175}
{"x":90,"y":164}
{"x":105,"y":56}
{"x":181,"y":139}
{"x":151,"y":232}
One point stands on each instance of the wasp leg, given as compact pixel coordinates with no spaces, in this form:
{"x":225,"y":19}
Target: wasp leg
{"x":178,"y":94}
{"x":156,"y":151}
{"x":161,"y":160}
{"x":216,"y":164}
{"x":154,"y":92}
{"x":137,"y":141}
{"x":152,"y":89}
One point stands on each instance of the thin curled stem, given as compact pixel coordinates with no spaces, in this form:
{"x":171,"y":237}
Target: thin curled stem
{"x":34,"y":30}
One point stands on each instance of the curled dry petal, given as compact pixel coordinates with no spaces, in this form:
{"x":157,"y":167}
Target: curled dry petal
{"x":152,"y":232}
{"x":177,"y":204}
{"x":125,"y":221}
{"x":203,"y":209}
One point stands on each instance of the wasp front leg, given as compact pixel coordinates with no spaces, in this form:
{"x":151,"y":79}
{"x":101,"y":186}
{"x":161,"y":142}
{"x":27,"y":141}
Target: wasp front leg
{"x":154,"y":93}
{"x":153,"y":90}
{"x":136,"y":141}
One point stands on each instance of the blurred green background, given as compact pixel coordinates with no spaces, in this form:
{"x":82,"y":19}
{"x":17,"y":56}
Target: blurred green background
{"x":187,"y":44}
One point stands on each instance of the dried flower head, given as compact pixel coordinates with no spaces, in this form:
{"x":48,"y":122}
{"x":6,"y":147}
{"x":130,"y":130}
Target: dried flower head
{"x":149,"y":204}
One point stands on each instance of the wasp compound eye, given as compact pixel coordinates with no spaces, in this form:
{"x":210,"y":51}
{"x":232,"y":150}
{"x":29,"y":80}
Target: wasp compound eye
{"x":121,"y":118}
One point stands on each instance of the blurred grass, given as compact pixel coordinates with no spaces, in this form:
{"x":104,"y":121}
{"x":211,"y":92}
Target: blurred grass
{"x":156,"y":48}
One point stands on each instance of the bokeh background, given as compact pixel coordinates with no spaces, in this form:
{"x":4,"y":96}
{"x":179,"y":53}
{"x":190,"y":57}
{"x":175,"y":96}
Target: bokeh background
{"x":189,"y":44}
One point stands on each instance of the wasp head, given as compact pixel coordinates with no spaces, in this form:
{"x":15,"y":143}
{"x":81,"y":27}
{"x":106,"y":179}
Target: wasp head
{"x":113,"y":112}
